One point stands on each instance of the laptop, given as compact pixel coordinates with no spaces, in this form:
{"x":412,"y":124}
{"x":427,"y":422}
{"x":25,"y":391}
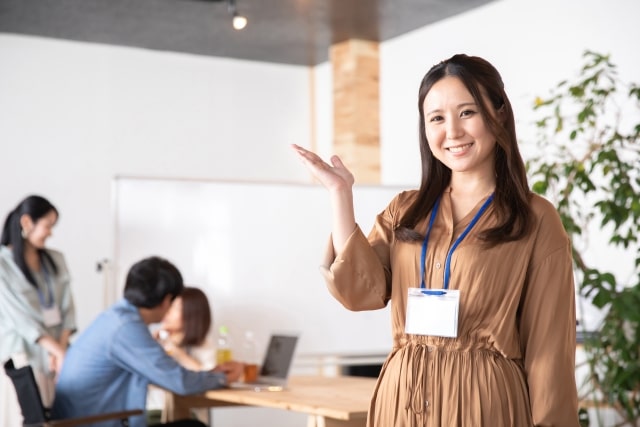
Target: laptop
{"x":274,"y":371}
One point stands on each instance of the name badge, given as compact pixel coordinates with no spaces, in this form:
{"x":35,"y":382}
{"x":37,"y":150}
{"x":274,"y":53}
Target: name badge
{"x":51,"y":316}
{"x":432,"y":312}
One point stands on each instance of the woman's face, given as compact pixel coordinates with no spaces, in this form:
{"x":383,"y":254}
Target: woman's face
{"x":172,"y":321}
{"x":37,"y":233}
{"x":455,"y":129}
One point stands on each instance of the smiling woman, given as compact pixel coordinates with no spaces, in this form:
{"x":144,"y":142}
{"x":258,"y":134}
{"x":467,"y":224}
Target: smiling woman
{"x":37,"y":314}
{"x":477,"y":267}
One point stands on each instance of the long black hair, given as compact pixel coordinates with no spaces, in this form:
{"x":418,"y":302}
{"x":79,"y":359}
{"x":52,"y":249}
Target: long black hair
{"x":512,"y":193}
{"x":35,"y":207}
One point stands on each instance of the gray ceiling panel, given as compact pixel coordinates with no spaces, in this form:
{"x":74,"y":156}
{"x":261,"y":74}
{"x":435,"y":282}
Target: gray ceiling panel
{"x":282,"y":31}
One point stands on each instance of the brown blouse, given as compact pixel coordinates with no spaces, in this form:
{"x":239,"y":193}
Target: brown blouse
{"x":513,"y":362}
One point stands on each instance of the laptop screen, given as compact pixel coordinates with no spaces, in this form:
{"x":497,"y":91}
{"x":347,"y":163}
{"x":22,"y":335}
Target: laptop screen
{"x":277,"y":360}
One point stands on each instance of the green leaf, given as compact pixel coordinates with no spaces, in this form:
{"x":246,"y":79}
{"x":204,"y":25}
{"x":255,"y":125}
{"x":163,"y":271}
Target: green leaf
{"x":601,"y":299}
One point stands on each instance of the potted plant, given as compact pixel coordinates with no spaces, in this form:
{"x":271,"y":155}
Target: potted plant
{"x":588,"y":164}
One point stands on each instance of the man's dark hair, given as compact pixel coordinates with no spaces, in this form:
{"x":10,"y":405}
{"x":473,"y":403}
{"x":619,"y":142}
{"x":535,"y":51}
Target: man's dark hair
{"x":150,"y":280}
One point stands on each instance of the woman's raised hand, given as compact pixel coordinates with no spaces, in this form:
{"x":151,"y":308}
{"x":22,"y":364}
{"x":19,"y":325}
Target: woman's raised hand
{"x":334,"y":176}
{"x":339,"y":181}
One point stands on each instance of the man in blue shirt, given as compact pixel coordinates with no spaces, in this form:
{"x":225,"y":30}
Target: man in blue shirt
{"x":110,"y":365}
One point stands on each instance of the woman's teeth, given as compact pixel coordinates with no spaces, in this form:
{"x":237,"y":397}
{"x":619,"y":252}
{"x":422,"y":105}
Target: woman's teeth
{"x":459,"y":148}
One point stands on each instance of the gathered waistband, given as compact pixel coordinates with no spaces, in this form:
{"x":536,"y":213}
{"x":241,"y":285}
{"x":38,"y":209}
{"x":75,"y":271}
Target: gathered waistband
{"x":442,"y":344}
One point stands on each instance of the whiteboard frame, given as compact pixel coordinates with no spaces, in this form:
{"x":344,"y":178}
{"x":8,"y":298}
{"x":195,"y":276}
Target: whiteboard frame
{"x":345,"y":333}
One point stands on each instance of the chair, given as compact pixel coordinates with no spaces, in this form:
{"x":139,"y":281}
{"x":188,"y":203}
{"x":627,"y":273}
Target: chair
{"x":35,"y":414}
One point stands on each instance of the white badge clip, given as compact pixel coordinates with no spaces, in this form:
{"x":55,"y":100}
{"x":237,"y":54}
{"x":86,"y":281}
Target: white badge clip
{"x":51,"y":316}
{"x":432,"y":312}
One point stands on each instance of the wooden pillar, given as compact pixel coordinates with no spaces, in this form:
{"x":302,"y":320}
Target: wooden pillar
{"x":356,"y":107}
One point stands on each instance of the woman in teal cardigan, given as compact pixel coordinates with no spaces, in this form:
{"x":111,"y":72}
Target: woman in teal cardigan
{"x":37,"y":314}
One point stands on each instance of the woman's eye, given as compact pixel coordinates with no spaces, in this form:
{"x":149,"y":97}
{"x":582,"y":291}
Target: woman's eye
{"x":467,"y":113}
{"x":435,"y":119}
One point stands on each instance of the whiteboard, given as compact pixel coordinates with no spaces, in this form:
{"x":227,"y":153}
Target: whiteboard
{"x":255,"y":249}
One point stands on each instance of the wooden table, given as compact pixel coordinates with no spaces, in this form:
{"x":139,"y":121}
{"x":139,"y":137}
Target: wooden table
{"x":328,"y":401}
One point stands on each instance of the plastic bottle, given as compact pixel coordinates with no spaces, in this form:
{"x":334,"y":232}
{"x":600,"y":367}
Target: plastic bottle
{"x":250,"y":357}
{"x":223,"y":353}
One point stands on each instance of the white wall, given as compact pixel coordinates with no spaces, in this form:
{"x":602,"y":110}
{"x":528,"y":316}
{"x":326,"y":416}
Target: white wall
{"x":74,"y":115}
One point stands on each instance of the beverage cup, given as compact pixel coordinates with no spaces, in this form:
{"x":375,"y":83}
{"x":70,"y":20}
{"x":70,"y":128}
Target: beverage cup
{"x":250,"y":372}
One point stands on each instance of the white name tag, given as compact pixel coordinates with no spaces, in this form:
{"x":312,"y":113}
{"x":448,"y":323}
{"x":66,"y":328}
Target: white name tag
{"x":432,"y":312}
{"x":51,"y":316}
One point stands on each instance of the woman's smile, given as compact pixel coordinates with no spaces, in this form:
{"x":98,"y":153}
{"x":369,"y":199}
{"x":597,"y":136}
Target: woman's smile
{"x":459,"y":148}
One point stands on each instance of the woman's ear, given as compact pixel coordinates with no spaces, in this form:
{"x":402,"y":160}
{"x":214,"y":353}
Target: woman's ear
{"x":502,"y":113}
{"x":26,"y":223}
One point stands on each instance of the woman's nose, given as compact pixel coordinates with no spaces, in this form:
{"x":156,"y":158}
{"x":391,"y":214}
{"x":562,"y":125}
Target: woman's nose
{"x":454,"y":129}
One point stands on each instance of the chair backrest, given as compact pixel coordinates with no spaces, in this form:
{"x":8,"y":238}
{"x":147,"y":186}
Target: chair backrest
{"x":33,"y":411}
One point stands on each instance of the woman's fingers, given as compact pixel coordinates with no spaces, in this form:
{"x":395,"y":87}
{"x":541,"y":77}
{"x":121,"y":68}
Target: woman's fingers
{"x":311,"y":158}
{"x":337,"y":162}
{"x":315,"y":164}
{"x":332,"y":176}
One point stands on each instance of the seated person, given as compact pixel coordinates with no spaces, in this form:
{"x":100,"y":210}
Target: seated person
{"x":184,"y":334}
{"x":110,"y":365}
{"x":184,"y":331}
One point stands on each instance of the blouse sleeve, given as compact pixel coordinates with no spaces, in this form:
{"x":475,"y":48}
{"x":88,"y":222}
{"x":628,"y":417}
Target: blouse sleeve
{"x":360,"y":276}
{"x":133,"y":348}
{"x":548,"y":328}
{"x":17,"y":312}
{"x":205,"y":354}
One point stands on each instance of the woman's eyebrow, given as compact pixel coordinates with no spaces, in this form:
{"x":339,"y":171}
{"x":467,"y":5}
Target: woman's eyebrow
{"x":464,"y":104}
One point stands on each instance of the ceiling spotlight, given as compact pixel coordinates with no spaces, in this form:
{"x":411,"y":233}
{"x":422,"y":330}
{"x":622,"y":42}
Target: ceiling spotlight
{"x":239,"y":21}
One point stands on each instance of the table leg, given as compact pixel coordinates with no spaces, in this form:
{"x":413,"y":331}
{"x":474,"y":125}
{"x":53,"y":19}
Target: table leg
{"x":177,"y":409}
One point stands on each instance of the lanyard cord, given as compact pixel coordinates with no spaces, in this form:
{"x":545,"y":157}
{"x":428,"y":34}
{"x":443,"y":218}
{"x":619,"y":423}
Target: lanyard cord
{"x":447,"y":264}
{"x":423,"y":256}
{"x":47,"y":282}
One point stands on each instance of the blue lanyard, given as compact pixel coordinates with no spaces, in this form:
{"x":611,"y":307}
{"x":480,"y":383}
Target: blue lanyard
{"x":47,"y":281}
{"x":447,"y":263}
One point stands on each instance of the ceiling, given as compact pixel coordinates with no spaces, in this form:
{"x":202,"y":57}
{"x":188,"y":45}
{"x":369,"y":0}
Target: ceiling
{"x":296,"y":32}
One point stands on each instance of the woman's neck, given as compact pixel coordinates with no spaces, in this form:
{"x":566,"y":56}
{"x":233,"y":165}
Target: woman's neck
{"x":472,"y":188}
{"x":466,"y":192}
{"x":31,"y":257}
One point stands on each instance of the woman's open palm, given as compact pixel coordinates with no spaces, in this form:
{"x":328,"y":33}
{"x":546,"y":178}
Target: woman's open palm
{"x":334,"y":176}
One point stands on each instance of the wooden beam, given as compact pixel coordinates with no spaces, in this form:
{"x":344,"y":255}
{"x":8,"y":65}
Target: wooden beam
{"x":356,"y":107}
